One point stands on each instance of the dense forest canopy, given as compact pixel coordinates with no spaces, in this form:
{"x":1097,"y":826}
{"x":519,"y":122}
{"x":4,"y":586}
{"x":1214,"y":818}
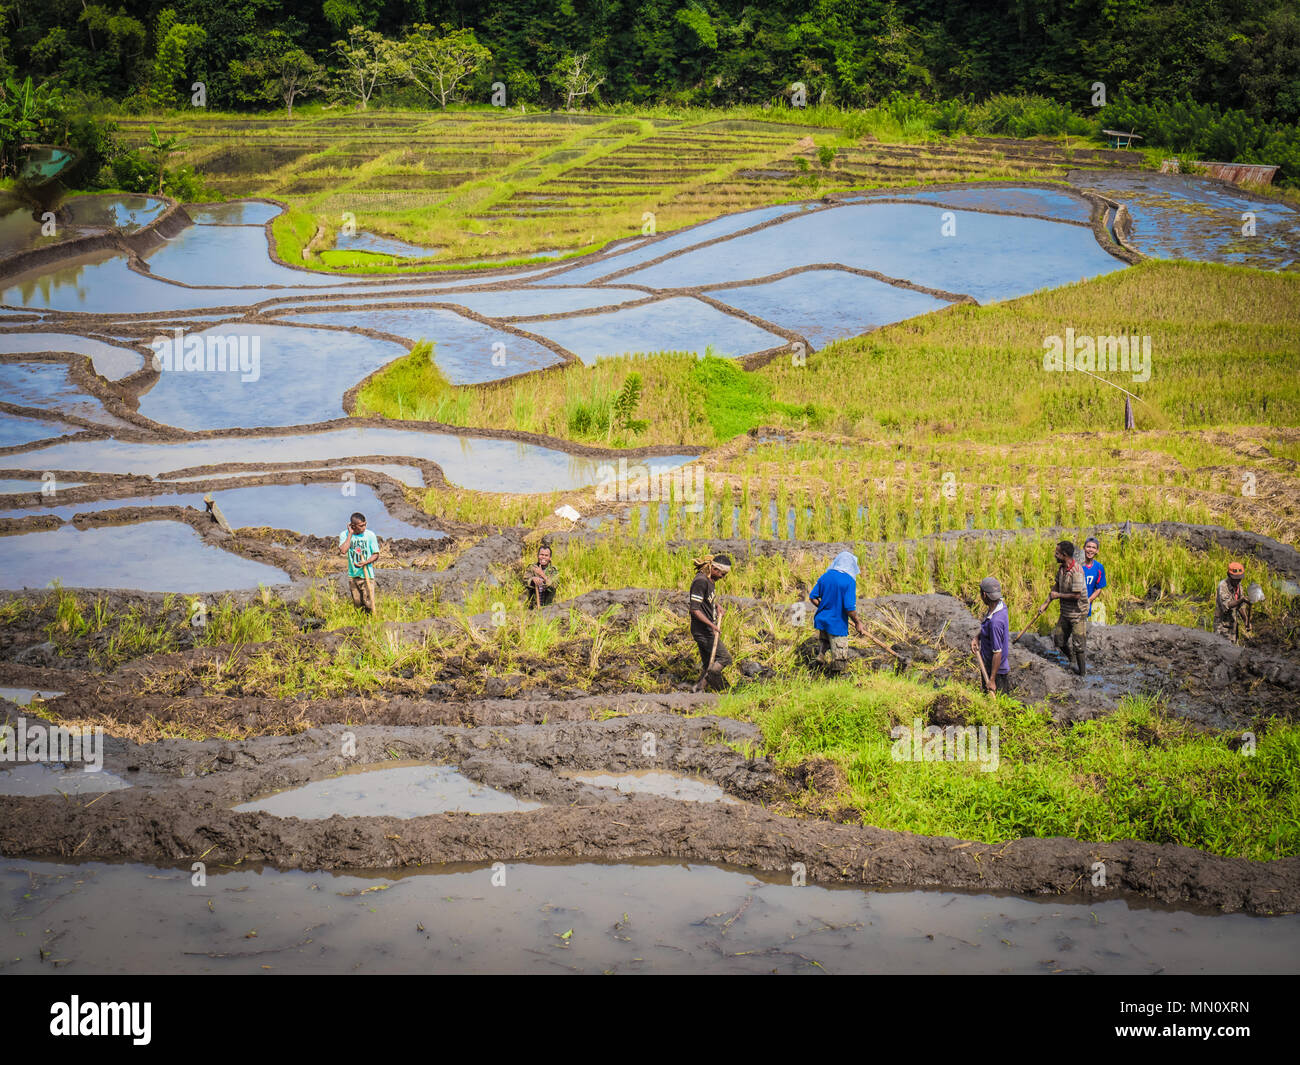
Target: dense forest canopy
{"x":1238,"y":54}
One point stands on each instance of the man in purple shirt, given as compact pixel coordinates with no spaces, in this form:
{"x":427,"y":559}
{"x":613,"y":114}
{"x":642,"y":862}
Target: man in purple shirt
{"x":993,"y":644}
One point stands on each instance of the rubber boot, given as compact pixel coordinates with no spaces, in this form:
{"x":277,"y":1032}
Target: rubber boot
{"x":1080,"y":664}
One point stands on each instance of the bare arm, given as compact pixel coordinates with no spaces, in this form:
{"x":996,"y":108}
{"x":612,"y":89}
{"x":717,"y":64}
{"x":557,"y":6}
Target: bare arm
{"x":702,"y":616}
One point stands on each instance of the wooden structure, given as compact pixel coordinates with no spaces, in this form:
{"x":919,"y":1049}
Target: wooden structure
{"x":1119,"y":139}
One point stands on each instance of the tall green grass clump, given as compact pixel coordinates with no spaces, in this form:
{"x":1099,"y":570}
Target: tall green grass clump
{"x":414,"y":387}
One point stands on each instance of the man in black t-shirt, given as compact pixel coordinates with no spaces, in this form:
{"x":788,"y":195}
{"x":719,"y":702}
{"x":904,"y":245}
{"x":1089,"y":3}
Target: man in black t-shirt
{"x":705,"y":617}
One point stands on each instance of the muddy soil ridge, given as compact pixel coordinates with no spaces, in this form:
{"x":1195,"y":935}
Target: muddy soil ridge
{"x":197,"y":783}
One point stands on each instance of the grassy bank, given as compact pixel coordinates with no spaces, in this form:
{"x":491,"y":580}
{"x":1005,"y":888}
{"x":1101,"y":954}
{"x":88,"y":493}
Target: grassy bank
{"x":1136,"y":774}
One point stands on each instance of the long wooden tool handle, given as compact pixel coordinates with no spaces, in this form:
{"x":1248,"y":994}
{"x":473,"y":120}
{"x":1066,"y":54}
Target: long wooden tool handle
{"x":1031,"y":624}
{"x":881,"y":644}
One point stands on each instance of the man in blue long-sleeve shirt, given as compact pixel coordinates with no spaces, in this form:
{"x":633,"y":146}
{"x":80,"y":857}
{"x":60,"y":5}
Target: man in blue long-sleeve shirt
{"x":835,"y":596}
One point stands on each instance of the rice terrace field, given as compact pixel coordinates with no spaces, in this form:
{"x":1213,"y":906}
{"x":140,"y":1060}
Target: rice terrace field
{"x":701,"y":352}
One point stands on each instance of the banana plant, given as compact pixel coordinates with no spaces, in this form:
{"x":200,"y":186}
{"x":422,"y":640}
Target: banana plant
{"x":162,"y":149}
{"x":19,"y":118}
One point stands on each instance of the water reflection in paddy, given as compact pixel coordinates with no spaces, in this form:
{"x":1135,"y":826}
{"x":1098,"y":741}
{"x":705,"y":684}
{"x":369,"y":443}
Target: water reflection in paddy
{"x":680,"y":324}
{"x":298,"y":377}
{"x":472,"y":462}
{"x":318,"y":509}
{"x":990,"y":257}
{"x":463,"y":348}
{"x":827,"y":305}
{"x":155,"y":556}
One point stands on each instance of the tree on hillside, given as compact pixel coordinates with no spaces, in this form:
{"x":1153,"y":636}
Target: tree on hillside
{"x":575,"y":76}
{"x":175,"y":44}
{"x":279,"y":70}
{"x":438,"y":64}
{"x":367,"y":64}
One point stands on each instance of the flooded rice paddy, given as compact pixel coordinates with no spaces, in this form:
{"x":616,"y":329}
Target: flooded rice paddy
{"x":684,"y":291}
{"x":469,"y":461}
{"x":987,"y":242}
{"x":313,"y":509}
{"x":1179,"y":216}
{"x":155,"y":556}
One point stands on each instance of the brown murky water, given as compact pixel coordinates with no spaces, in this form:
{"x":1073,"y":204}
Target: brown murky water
{"x":656,"y":782}
{"x":412,"y":789}
{"x":574,"y":917}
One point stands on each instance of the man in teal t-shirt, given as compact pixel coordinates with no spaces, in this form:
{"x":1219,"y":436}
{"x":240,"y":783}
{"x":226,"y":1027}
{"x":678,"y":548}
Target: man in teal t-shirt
{"x":362,"y":548}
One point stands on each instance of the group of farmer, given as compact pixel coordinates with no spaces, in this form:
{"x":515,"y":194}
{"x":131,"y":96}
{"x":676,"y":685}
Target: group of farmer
{"x":1076,"y":586}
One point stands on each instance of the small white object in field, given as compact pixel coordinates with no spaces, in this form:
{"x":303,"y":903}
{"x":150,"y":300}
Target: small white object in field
{"x":568,"y":512}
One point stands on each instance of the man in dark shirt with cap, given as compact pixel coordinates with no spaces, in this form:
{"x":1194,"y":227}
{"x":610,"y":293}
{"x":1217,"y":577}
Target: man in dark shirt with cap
{"x":705,"y":618}
{"x":993,"y":644}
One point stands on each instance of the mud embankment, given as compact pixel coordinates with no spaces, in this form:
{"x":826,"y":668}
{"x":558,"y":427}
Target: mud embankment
{"x":197,"y":783}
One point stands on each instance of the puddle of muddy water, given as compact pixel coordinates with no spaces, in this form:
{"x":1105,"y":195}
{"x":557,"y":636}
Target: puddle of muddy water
{"x":652,"y":917}
{"x":471,"y":462}
{"x":410,"y":789}
{"x":317,"y":509}
{"x":24,"y":696}
{"x":827,"y":305}
{"x":656,"y":782}
{"x":676,"y":324}
{"x":46,"y":778}
{"x":155,"y":556}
